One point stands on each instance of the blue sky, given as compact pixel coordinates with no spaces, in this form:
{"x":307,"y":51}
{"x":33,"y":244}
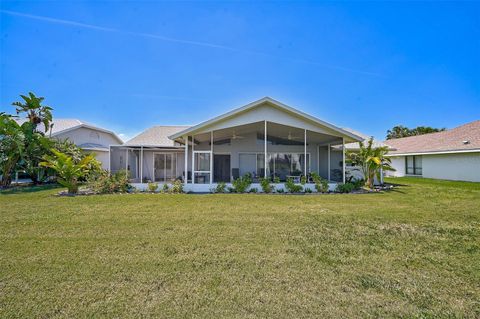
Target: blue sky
{"x":129,"y":65}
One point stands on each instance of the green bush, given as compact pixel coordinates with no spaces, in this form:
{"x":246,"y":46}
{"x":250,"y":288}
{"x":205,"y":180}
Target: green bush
{"x":177,"y":187}
{"x":221,"y":188}
{"x":241,"y":184}
{"x":345,"y":188}
{"x":106,"y":183}
{"x":165,"y":188}
{"x":321,"y":184}
{"x":253,"y":190}
{"x":276,"y":179}
{"x":152,"y":187}
{"x":303,"y":180}
{"x":266,"y":186}
{"x":280,"y":191}
{"x":292,"y":187}
{"x":358,"y":183}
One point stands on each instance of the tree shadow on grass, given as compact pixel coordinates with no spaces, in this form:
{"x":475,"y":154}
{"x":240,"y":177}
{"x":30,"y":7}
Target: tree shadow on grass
{"x":25,"y":189}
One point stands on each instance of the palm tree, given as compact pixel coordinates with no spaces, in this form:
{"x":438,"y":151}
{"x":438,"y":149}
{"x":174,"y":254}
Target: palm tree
{"x":36,"y":112}
{"x":36,"y":144}
{"x":371,"y":160}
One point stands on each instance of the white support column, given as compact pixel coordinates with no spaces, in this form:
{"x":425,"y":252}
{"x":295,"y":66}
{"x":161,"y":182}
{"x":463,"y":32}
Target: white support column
{"x":328,"y":164}
{"x":343,"y":158}
{"x":305,"y":153}
{"x":110,"y":158}
{"x":185,"y":177}
{"x":126,"y":164}
{"x":211,"y":157}
{"x":193,"y":159}
{"x":265,"y":151}
{"x":141,"y":164}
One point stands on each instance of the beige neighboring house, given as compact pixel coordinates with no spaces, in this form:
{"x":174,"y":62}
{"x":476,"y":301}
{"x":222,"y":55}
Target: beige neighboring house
{"x":452,"y":154}
{"x":89,"y":137}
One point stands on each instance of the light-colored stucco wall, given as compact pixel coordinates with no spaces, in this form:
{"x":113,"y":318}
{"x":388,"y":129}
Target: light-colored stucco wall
{"x":459,"y":166}
{"x":103,"y":158}
{"x":84,"y":135}
{"x":398,"y":163}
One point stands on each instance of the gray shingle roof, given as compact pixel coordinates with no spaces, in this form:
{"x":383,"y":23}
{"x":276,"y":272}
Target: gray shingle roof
{"x":156,"y":136}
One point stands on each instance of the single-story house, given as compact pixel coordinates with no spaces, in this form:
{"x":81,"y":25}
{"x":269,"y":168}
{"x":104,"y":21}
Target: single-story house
{"x":265,"y":138}
{"x":452,"y":154}
{"x":89,"y":137}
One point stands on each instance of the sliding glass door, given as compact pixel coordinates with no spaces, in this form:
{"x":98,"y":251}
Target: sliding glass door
{"x":165,"y":167}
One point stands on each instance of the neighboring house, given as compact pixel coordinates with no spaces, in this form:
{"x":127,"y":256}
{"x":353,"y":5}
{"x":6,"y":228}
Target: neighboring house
{"x":86,"y":136}
{"x":265,"y":138}
{"x":453,"y":154}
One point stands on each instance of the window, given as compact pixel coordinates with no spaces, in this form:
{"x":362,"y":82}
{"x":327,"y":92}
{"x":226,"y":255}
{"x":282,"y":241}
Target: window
{"x":413,"y":165}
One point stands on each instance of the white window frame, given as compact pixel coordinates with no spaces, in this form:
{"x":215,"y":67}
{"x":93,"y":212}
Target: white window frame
{"x":202,"y":172}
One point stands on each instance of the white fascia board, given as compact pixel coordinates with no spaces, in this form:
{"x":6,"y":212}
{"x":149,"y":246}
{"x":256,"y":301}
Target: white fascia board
{"x":435,"y":152}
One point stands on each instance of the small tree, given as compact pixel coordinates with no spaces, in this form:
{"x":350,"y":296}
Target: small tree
{"x":68,"y":170}
{"x":35,"y":144}
{"x":370,"y":160}
{"x":11,"y":147}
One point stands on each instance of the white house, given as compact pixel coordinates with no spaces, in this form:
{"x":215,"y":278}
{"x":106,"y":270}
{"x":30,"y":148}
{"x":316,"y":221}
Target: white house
{"x":87,"y":136}
{"x":453,"y":154}
{"x":265,"y":138}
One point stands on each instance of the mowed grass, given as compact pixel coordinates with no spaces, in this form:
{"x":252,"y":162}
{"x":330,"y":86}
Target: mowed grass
{"x":412,"y":252}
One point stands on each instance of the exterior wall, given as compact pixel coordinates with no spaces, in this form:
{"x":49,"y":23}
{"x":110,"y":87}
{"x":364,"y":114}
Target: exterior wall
{"x":84,"y":135}
{"x":398,"y":163}
{"x":102,"y":156}
{"x":460,"y":166}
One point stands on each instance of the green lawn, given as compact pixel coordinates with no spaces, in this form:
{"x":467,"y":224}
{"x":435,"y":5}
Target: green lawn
{"x":412,"y":252}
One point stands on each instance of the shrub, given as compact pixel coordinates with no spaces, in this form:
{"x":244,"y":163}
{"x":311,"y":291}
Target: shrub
{"x":221,"y":188}
{"x":253,"y":190}
{"x":241,"y":184}
{"x":165,"y":188}
{"x":292,"y":187}
{"x":177,"y":187}
{"x":68,"y":170}
{"x":345,"y":188}
{"x":276,"y":179}
{"x":106,"y":183}
{"x":266,"y":186}
{"x":152,"y":187}
{"x":321,"y":184}
{"x":280,"y":190}
{"x":308,"y":190}
{"x":303,"y":180}
{"x":358,"y":183}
